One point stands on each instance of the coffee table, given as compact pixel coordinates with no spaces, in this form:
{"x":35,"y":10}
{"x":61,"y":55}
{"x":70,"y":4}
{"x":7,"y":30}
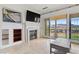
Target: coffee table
{"x":61,"y":46}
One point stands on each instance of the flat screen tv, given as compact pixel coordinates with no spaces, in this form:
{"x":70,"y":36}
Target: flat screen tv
{"x":32,"y":16}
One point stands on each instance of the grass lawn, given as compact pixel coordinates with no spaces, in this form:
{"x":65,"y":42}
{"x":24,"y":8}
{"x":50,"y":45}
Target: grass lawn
{"x":75,"y":36}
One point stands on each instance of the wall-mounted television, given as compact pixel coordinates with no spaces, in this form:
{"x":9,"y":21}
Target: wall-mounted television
{"x":32,"y":16}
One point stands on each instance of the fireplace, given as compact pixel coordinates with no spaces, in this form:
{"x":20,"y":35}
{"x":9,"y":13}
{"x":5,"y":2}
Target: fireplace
{"x":33,"y":34}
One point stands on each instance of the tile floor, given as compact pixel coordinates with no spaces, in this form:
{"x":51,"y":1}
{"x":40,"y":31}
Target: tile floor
{"x":36,"y":46}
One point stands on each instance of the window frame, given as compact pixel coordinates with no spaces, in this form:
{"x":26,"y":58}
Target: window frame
{"x":56,"y":18}
{"x":70,"y":26}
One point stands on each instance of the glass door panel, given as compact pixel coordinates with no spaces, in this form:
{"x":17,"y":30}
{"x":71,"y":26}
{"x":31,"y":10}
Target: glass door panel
{"x":47,"y":27}
{"x":75,"y":28}
{"x":61,"y":28}
{"x":52,"y":28}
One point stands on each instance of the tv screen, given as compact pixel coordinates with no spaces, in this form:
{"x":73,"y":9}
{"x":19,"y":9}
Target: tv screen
{"x":32,"y":16}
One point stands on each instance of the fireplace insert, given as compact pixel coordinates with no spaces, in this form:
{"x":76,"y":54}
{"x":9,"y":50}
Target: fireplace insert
{"x":33,"y":34}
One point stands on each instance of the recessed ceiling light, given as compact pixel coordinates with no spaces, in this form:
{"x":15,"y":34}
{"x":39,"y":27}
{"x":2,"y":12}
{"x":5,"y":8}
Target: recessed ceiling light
{"x":45,"y":8}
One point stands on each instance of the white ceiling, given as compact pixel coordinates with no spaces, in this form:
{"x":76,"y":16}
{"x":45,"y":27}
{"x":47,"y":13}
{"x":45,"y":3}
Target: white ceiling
{"x":38,"y":8}
{"x":51,"y":7}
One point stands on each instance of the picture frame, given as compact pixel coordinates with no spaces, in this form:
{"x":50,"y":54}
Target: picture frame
{"x":11,"y":16}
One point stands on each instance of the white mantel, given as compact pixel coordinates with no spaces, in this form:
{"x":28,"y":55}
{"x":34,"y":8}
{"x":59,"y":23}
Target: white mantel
{"x":32,"y":26}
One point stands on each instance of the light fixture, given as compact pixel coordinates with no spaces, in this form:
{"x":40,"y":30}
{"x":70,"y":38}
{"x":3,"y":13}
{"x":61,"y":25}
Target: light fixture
{"x":45,"y":8}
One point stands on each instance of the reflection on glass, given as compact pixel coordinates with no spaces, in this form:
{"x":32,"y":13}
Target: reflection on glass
{"x":52,"y":28}
{"x":75,"y":28}
{"x":61,"y":28}
{"x":56,"y":28}
{"x":5,"y":37}
{"x":47,"y":32}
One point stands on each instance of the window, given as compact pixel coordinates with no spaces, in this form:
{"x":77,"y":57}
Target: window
{"x":47,"y":27}
{"x":74,"y":27}
{"x":61,"y":28}
{"x":52,"y":28}
{"x":56,"y":26}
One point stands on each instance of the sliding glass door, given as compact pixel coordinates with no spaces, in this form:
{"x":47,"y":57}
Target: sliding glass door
{"x":56,"y":28}
{"x":52,"y":28}
{"x":61,"y":28}
{"x":75,"y":28}
{"x":47,"y":27}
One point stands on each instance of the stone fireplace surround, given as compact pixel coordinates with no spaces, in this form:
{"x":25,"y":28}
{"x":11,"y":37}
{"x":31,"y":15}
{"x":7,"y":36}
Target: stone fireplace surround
{"x":28,"y":32}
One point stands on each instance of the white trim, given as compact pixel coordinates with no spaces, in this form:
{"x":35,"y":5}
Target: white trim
{"x":16,"y":43}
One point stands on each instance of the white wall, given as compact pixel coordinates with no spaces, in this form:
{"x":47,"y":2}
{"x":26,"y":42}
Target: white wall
{"x":10,"y":26}
{"x":65,"y":11}
{"x":4,"y":25}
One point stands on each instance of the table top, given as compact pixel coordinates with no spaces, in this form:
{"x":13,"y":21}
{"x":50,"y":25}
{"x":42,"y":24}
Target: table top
{"x":61,"y":42}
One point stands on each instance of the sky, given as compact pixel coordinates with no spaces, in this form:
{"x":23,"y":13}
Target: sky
{"x":74,"y":21}
{"x":61,"y":21}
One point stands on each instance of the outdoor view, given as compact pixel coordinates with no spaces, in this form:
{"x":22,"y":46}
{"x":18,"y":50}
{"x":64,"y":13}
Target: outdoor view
{"x":52,"y":28}
{"x":75,"y":28}
{"x":61,"y":28}
{"x":56,"y":28}
{"x":47,"y":27}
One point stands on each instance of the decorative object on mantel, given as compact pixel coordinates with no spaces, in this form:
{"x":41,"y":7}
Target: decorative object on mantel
{"x":11,"y":16}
